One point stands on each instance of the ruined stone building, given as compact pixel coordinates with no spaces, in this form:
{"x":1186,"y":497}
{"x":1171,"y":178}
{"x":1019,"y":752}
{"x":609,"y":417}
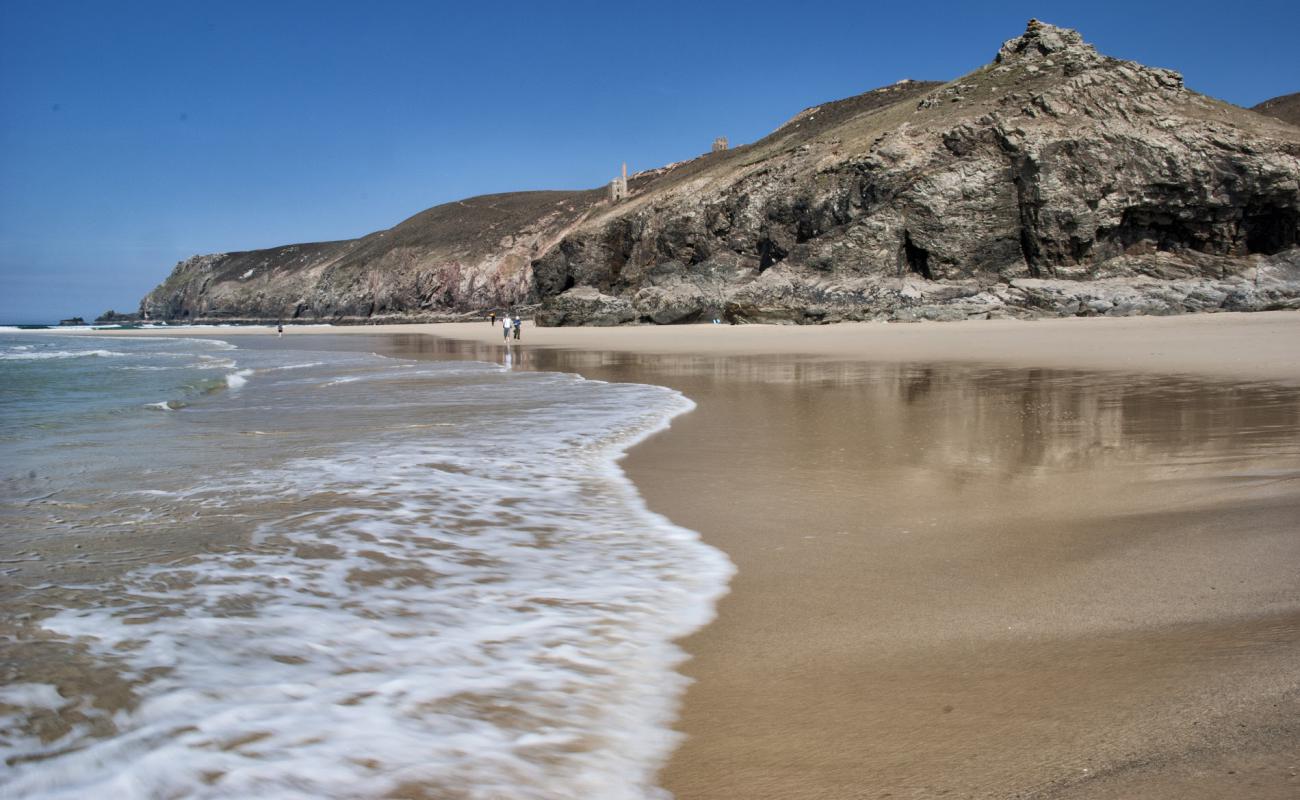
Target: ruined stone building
{"x":719,"y":144}
{"x":618,"y":186}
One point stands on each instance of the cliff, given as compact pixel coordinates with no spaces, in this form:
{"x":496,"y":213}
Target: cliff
{"x":470,"y":254}
{"x":1052,"y":181}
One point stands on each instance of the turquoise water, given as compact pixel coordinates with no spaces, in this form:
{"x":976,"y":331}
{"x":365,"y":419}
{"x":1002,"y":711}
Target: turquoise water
{"x":235,"y":572}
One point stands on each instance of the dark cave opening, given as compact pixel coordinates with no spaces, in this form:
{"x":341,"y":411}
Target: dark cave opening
{"x":918,"y":258}
{"x":1029,"y":249}
{"x":1270,"y":229}
{"x":569,"y":283}
{"x":1264,"y":228}
{"x":769,"y":253}
{"x":1165,"y":230}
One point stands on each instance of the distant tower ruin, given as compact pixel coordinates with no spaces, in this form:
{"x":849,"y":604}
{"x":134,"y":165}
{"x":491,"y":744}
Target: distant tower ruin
{"x":618,"y":187}
{"x":719,"y":144}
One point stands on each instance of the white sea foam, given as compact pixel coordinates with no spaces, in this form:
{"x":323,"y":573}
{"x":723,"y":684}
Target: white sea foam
{"x":42,"y":355}
{"x":167,"y":405}
{"x":238,"y":378}
{"x":32,"y":695}
{"x":485,"y":610}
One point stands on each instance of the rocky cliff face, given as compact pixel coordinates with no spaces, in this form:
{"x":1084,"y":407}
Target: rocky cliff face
{"x":1052,"y":181}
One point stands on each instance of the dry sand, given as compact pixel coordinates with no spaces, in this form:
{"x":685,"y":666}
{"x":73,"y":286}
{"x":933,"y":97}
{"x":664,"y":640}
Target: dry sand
{"x":993,"y":559}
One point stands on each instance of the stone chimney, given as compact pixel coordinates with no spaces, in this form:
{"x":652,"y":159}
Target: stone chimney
{"x":618,"y":186}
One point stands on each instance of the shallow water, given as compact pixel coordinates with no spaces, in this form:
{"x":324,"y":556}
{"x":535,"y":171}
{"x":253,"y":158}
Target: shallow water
{"x":236,"y":572}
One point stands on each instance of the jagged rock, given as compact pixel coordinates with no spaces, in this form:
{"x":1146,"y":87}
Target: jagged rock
{"x":585,"y":306}
{"x":1053,"y":181}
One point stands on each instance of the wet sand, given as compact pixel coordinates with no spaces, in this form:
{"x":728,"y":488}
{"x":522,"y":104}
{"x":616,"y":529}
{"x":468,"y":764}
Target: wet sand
{"x":1258,"y":346}
{"x":985,"y":584}
{"x":996,"y":559}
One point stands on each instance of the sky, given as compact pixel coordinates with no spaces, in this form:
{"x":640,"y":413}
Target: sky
{"x":135,"y":134}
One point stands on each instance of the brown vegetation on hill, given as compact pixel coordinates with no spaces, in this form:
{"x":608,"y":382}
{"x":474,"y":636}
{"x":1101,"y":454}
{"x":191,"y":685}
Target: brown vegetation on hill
{"x":1285,"y":108}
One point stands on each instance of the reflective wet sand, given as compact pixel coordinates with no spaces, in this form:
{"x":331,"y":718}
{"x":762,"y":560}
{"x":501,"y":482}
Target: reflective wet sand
{"x":966,"y":582}
{"x":970,"y":581}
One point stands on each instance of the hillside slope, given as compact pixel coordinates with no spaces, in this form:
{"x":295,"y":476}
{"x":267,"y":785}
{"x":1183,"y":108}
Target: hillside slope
{"x":468,"y":254}
{"x":1285,"y":108}
{"x":1052,"y":181}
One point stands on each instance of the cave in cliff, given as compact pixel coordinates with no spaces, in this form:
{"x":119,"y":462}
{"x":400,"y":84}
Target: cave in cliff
{"x":918,"y":258}
{"x":1263,"y":228}
{"x":1270,"y":229}
{"x":769,"y":253}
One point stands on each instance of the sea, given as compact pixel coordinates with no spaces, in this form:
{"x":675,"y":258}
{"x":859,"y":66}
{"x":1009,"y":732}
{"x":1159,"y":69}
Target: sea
{"x":274,"y":572}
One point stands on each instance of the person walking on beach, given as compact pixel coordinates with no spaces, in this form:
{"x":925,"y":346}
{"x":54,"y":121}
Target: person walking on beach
{"x":518,"y":325}
{"x":492,"y":319}
{"x":505,"y":327}
{"x":279,"y":329}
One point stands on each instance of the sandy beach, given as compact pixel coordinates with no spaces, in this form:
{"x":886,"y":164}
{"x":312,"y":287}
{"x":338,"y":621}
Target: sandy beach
{"x":990,"y":559}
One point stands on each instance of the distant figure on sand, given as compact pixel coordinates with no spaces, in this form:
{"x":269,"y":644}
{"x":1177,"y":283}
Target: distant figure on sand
{"x":519,"y":324}
{"x":505,"y":327}
{"x":492,"y":319}
{"x":279,"y":329}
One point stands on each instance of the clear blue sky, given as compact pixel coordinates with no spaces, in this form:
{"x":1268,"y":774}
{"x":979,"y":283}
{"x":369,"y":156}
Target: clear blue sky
{"x":134,"y":134}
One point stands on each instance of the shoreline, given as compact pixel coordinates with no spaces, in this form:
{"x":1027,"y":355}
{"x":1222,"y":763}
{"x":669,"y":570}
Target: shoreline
{"x":1229,"y":345}
{"x":854,"y":658}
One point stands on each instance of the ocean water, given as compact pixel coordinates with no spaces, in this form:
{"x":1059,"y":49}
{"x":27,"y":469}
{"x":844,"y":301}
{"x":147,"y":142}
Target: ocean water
{"x":282,"y":573}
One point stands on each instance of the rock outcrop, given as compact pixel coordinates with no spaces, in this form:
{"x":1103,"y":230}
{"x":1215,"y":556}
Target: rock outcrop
{"x":111,"y":317}
{"x":1054,"y":181}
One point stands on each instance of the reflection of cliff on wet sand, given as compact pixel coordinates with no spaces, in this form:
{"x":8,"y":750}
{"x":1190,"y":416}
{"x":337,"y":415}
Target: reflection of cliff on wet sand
{"x":989,"y":419}
{"x":977,"y":581}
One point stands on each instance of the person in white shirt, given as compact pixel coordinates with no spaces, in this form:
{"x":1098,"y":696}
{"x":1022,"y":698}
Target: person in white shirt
{"x":505,"y":327}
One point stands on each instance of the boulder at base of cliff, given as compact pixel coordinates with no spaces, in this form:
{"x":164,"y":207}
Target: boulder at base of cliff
{"x":674,"y":305}
{"x":583,"y":305}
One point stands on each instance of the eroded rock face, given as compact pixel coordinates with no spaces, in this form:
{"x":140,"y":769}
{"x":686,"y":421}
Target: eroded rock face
{"x":1053,"y":181}
{"x":1107,"y":183}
